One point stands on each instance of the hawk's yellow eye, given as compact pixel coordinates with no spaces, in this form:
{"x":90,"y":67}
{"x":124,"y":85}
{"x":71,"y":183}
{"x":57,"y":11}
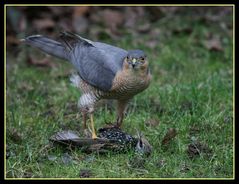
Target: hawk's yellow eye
{"x":142,"y":59}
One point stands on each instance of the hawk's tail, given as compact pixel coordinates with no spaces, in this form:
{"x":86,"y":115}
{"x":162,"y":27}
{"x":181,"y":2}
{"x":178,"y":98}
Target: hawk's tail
{"x":47,"y":45}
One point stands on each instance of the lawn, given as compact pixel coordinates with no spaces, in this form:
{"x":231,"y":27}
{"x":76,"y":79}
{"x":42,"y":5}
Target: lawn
{"x":191,"y":92}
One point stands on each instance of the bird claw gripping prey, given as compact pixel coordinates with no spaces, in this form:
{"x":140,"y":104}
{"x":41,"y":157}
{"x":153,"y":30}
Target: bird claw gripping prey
{"x":103,"y":71}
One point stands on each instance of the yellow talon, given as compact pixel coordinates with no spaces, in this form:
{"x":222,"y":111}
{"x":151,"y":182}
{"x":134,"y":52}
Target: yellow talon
{"x":94,"y":136}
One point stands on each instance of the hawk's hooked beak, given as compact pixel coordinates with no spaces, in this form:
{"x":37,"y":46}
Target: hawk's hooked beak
{"x":134,"y":62}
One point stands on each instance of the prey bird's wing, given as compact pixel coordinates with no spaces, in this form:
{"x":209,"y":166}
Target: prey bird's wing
{"x":97,"y":63}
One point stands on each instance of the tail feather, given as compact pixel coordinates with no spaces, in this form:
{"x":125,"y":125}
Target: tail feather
{"x":47,"y":45}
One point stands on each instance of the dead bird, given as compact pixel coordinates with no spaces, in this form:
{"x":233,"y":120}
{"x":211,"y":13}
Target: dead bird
{"x":110,"y":139}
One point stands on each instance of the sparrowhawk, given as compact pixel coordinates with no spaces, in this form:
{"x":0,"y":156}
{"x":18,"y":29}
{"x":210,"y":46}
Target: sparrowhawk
{"x":103,"y":71}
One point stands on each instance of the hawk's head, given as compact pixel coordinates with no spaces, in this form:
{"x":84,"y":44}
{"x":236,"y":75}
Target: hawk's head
{"x":136,"y":60}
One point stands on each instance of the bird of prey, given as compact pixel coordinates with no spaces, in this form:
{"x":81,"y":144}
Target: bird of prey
{"x":103,"y":71}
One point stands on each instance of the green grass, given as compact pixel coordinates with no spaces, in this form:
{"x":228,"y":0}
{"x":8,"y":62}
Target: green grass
{"x":191,"y":89}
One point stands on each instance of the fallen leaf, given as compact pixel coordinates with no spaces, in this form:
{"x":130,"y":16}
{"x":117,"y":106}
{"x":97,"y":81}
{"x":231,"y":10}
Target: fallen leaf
{"x":169,"y":136}
{"x":213,"y":44}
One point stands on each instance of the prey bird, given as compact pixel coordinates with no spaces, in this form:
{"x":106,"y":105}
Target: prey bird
{"x":103,"y":71}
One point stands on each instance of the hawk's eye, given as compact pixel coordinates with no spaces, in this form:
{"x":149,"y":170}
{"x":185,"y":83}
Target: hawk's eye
{"x":142,"y":59}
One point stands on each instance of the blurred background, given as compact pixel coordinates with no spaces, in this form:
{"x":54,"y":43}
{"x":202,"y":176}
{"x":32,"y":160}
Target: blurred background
{"x":115,"y":23}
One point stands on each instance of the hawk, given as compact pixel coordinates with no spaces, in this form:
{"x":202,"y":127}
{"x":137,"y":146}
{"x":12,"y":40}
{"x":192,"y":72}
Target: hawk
{"x":103,"y":71}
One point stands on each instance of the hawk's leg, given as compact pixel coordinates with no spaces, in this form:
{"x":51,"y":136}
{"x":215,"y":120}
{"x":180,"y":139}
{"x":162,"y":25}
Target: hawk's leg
{"x":121,"y":105}
{"x":86,"y":103}
{"x":92,"y":127}
{"x":84,"y":119}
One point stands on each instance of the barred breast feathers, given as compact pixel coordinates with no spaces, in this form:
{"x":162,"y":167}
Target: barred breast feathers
{"x":130,"y":83}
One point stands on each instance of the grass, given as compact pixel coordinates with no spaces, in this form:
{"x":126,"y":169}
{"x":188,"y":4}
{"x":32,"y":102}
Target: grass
{"x":191,"y":91}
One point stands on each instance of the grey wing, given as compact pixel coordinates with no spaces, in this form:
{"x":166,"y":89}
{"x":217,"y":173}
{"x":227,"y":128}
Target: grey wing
{"x":96,"y":62}
{"x":98,"y":65}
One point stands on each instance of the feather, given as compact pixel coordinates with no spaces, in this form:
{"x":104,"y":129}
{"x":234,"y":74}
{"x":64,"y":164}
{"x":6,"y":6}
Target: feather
{"x":47,"y":45}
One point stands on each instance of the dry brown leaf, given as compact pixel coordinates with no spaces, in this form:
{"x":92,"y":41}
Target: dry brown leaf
{"x":169,"y":136}
{"x":213,"y":44}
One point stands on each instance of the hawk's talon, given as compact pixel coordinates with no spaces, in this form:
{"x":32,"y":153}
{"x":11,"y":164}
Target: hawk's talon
{"x":94,"y":136}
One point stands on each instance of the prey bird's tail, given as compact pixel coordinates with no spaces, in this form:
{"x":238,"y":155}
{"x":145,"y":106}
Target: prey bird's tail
{"x":47,"y":45}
